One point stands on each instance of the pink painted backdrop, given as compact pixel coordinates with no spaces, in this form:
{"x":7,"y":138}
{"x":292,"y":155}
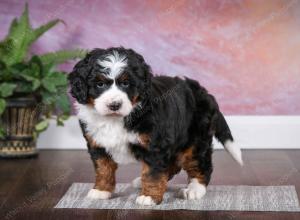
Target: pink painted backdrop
{"x":247,"y":53}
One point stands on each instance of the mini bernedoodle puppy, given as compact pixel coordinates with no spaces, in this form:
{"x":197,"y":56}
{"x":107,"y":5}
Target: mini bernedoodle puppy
{"x":129,"y":115}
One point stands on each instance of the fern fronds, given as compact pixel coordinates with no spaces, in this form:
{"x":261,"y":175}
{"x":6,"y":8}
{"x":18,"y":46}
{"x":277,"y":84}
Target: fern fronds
{"x":62,"y":56}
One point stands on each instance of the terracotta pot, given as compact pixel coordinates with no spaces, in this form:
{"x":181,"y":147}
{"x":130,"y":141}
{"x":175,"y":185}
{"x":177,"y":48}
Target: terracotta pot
{"x":19,"y":120}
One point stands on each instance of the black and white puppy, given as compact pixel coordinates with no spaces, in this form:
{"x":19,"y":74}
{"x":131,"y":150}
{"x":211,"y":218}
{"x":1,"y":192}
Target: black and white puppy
{"x":128,"y":115}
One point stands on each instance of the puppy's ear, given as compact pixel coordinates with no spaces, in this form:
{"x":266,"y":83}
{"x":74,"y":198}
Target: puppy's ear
{"x":78,"y":80}
{"x":147,"y":78}
{"x":143,"y":71}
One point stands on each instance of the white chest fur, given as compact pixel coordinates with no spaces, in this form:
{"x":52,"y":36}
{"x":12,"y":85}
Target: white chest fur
{"x":108,"y":132}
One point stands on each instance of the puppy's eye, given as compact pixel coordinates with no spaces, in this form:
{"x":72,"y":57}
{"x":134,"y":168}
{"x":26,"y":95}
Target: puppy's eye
{"x":124,"y":84}
{"x":100,"y":85}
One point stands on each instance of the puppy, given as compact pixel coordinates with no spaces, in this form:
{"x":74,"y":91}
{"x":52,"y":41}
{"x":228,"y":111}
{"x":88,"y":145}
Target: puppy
{"x":129,"y":115}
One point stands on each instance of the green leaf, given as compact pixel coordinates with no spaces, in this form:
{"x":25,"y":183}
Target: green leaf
{"x":36,"y":67}
{"x":24,"y":19}
{"x":36,"y":33}
{"x":35,"y":81}
{"x":7,"y":89}
{"x":63,"y":103}
{"x":2,"y":132}
{"x":27,"y":76}
{"x":61,"y":119}
{"x":17,"y":41}
{"x":2,"y":106}
{"x":5,"y":48}
{"x":47,"y":97}
{"x":2,"y":65}
{"x":35,"y":85}
{"x":4,"y":72}
{"x":42,"y":126}
{"x":48,"y":85}
{"x":47,"y":67}
{"x":64,"y":117}
{"x":18,"y":68}
{"x":24,"y":87}
{"x":62,"y":56}
{"x":59,"y":122}
{"x":53,"y":80}
{"x":13,"y":25}
{"x":58,"y":78}
{"x":14,"y":48}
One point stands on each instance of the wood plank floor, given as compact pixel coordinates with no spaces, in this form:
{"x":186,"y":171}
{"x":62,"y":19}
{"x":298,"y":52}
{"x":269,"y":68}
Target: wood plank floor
{"x":29,"y":188}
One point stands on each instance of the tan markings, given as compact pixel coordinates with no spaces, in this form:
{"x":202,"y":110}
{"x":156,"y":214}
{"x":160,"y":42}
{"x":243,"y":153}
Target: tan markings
{"x":102,"y":78}
{"x":91,"y":101}
{"x":105,"y":174}
{"x":123,"y":77}
{"x":91,"y":141}
{"x":105,"y":170}
{"x":135,"y":99}
{"x":190,"y":165}
{"x":153,"y":185}
{"x":144,"y":140}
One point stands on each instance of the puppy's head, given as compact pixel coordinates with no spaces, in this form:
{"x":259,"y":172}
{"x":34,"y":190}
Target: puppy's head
{"x":113,"y":81}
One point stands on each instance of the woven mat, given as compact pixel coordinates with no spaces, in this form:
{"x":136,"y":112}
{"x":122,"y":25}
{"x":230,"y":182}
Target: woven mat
{"x":228,"y":198}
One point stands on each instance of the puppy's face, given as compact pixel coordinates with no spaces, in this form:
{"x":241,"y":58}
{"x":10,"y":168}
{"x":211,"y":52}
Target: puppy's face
{"x":113,"y":85}
{"x":113,"y":81}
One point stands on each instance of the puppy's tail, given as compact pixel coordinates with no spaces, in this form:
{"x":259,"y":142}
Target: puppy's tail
{"x":219,"y":126}
{"x":223,"y":134}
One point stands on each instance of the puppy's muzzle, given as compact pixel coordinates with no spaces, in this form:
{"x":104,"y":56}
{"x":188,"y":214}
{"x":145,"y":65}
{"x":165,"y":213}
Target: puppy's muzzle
{"x":114,"y":106}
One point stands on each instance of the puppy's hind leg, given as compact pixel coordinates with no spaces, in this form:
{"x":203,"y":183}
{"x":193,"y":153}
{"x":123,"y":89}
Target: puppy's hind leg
{"x":198,"y":166}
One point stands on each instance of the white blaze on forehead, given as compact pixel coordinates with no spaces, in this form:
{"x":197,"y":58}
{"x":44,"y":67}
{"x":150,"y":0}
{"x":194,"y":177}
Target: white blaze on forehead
{"x":114,"y":62}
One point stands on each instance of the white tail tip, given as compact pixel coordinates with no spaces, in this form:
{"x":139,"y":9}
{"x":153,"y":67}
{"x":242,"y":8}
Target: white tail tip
{"x":234,"y":151}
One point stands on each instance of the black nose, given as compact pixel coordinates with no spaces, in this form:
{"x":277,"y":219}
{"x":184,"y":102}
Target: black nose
{"x":115,"y":106}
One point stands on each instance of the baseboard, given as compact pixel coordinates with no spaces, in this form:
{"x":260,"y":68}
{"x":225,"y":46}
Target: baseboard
{"x":250,"y":132}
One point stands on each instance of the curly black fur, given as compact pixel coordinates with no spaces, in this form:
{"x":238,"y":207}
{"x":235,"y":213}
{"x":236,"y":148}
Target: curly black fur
{"x":85,"y":71}
{"x":176,"y":113}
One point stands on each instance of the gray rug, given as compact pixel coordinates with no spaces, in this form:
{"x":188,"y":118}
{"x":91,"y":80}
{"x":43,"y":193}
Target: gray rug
{"x":228,"y":198}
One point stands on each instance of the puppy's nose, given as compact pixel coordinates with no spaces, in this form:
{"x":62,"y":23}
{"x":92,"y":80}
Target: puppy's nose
{"x":115,"y":106}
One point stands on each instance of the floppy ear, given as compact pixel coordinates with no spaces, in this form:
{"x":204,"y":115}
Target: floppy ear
{"x":144,"y":72}
{"x":78,"y":80}
{"x":147,"y":78}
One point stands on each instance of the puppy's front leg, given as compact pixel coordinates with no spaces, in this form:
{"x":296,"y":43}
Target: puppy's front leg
{"x":105,"y":168}
{"x":153,"y":186}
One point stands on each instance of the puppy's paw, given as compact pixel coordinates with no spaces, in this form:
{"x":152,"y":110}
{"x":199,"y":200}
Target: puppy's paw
{"x":194,"y":190}
{"x":136,"y":183}
{"x":145,"y":200}
{"x":97,"y":194}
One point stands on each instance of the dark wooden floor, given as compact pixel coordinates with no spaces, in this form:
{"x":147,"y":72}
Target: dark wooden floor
{"x":29,"y":188}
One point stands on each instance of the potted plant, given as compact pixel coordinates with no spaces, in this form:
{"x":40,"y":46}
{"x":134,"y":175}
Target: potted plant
{"x":32,"y":91}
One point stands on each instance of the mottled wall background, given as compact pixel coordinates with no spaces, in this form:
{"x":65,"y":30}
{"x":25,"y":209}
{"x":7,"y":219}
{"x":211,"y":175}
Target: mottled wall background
{"x":246,"y":52}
